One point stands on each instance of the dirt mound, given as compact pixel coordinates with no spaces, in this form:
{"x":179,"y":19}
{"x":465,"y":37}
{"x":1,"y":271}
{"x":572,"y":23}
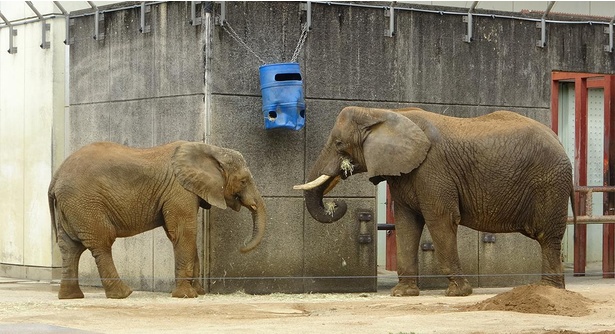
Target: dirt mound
{"x":537,"y":299}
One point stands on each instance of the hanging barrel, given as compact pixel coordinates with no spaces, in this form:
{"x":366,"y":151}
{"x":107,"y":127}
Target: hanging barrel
{"x":282,"y":92}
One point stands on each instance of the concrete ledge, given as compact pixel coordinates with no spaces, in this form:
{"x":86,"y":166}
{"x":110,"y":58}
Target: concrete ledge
{"x":30,"y":272}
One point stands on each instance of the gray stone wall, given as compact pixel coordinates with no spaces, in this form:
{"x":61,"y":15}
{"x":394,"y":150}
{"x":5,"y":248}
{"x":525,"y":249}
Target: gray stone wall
{"x":140,"y":90}
{"x":147,"y":89}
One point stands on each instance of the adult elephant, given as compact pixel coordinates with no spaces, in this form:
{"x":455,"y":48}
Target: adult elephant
{"x":501,"y":172}
{"x":106,"y":191}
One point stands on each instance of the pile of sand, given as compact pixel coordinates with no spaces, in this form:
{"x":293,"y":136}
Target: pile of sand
{"x":537,"y":299}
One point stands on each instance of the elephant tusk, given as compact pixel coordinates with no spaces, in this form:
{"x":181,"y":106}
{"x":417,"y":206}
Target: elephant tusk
{"x":313,"y":184}
{"x":332,"y":184}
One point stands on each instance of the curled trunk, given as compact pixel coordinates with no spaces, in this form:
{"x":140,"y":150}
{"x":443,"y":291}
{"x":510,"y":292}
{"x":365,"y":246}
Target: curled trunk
{"x":259,"y":218}
{"x":328,"y":213}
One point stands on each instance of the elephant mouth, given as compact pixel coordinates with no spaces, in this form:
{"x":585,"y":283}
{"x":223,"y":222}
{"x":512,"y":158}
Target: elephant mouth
{"x":204,"y":204}
{"x":347,"y":167}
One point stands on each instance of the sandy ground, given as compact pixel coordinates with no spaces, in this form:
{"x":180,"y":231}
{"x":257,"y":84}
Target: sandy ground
{"x":33,"y":307}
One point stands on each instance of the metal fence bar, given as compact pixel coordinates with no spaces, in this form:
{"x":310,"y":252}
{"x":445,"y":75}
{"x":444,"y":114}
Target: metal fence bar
{"x":589,"y":218}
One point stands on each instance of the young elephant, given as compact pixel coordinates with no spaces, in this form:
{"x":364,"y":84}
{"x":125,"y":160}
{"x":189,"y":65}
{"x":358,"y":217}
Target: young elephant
{"x":106,"y":191}
{"x":501,"y":172}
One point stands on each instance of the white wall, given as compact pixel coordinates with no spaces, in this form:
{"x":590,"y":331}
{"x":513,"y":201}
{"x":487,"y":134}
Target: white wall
{"x":31,"y":97}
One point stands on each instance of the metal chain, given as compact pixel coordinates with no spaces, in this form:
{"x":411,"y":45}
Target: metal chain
{"x":227,"y":27}
{"x":302,"y":39}
{"x":304,"y":33}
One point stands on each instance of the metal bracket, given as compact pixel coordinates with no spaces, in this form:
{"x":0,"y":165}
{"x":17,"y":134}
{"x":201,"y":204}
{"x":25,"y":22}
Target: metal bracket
{"x":68,"y":23}
{"x":609,"y":30}
{"x":12,"y":33}
{"x":220,"y":19}
{"x":45,"y":44}
{"x":489,"y":238}
{"x":307,"y":7}
{"x":542,"y":25}
{"x":390,"y":13}
{"x":194,"y":20}
{"x":143,"y":28}
{"x":428,"y":247}
{"x":69,"y":37}
{"x":469,"y":36}
{"x":98,"y":17}
{"x":364,"y":217}
{"x":45,"y":26}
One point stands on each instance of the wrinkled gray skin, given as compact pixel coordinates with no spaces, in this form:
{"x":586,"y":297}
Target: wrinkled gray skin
{"x":106,"y":191}
{"x":501,"y":172}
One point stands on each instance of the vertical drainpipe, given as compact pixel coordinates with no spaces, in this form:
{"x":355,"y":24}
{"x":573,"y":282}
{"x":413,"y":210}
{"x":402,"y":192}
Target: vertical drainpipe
{"x":207,"y":6}
{"x":207,"y":28}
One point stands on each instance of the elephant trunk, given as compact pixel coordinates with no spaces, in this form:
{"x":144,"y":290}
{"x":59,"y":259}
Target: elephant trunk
{"x":259,"y":218}
{"x":324,"y":213}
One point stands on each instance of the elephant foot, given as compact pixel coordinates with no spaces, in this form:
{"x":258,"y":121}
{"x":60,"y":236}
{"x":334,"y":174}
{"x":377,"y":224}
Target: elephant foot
{"x":405,"y":289}
{"x":119,"y":291}
{"x":458,"y":287}
{"x":198,"y":286}
{"x":554,"y":281}
{"x":185,"y":290}
{"x":69,"y":292}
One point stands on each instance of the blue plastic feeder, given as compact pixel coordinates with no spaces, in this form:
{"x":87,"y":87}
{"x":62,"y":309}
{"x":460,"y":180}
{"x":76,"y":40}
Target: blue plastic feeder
{"x":282,"y":92}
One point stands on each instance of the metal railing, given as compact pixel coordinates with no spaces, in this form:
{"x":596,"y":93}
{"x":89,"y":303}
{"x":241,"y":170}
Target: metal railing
{"x":588,"y":217}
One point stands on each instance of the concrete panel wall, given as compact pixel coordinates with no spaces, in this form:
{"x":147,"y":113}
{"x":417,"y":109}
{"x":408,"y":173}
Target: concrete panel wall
{"x":147,"y":89}
{"x":347,"y":61}
{"x":31,"y":96}
{"x":140,"y":90}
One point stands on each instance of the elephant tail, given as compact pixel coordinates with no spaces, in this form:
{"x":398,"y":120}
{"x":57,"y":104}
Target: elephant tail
{"x":51,"y":196}
{"x":572,"y":206}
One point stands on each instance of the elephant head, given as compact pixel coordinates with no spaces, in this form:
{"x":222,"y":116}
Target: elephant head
{"x":377,"y":141}
{"x":220,"y":177}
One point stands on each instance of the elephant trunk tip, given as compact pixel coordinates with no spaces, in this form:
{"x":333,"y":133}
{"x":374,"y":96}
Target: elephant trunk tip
{"x":250,"y":246}
{"x":258,"y":228}
{"x":330,"y":212}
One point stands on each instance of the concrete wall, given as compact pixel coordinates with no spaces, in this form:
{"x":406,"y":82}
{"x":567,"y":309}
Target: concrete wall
{"x":347,"y":60}
{"x":31,"y":102}
{"x":140,"y":90}
{"x":148,"y":89}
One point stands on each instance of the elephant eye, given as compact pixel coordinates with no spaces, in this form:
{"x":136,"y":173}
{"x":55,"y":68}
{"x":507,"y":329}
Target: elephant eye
{"x":237,"y":197}
{"x":340,"y":146}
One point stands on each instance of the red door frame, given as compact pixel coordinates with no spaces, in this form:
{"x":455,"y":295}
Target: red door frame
{"x":391,"y":240}
{"x":583,"y":82}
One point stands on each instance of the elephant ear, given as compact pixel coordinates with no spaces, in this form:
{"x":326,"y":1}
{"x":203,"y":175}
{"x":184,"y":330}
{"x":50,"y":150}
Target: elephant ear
{"x":394,"y":144}
{"x":197,"y":170}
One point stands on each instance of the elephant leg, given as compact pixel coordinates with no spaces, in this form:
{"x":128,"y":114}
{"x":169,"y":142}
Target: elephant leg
{"x":443,"y":231}
{"x":184,"y":270}
{"x":408,"y":230}
{"x":552,"y":271}
{"x":114,"y":287}
{"x":71,"y":252}
{"x":183,"y":237}
{"x":101,"y":250}
{"x":196,"y":274}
